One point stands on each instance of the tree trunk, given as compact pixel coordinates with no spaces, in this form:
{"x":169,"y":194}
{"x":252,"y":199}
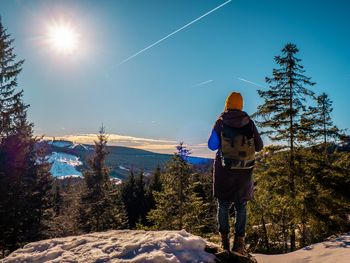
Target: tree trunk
{"x":324,"y":129}
{"x":266,"y":239}
{"x":285,"y":237}
{"x":291,"y":162}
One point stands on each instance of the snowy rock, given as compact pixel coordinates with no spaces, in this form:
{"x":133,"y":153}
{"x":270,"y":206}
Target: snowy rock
{"x":134,"y":246}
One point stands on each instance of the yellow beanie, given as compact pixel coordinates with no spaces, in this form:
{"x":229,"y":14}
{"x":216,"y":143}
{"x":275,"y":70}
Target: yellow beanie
{"x":234,"y":101}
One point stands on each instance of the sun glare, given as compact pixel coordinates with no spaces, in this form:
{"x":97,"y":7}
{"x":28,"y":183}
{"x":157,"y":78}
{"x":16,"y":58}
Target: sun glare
{"x":63,"y":38}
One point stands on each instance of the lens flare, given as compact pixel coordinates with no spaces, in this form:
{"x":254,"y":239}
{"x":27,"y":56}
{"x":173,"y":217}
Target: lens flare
{"x":63,"y":38}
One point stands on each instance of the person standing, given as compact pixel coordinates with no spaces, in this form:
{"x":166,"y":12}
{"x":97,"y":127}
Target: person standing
{"x":236,"y":139}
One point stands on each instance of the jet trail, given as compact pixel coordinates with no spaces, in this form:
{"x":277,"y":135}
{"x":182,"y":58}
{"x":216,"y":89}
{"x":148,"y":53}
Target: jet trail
{"x":250,"y":82}
{"x":202,"y":83}
{"x":176,"y":31}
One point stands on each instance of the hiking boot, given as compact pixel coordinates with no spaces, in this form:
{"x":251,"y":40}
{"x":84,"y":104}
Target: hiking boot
{"x":239,"y":245}
{"x":225,"y":241}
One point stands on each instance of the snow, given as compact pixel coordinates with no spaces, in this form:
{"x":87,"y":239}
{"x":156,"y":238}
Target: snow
{"x":123,"y":168}
{"x":115,"y":180}
{"x":64,"y":165}
{"x":330,"y":251}
{"x":81,"y":146}
{"x":61,"y":144}
{"x":132,"y":246}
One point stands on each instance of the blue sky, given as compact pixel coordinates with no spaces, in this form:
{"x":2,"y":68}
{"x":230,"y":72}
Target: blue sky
{"x":174,"y":90}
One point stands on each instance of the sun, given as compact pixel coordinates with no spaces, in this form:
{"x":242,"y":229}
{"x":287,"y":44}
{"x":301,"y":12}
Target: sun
{"x":63,"y":38}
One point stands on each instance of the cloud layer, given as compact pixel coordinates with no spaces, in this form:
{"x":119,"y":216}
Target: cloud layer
{"x":154,"y":145}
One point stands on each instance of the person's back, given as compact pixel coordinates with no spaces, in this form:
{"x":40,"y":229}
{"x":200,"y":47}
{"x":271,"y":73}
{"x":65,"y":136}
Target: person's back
{"x":233,"y":135}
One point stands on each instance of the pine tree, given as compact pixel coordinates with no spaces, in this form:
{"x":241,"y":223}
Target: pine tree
{"x":155,"y":185}
{"x":65,"y":208}
{"x":178,"y":206}
{"x":98,"y":211}
{"x":323,"y":194}
{"x":182,"y":151}
{"x":10,"y":100}
{"x":328,"y":129}
{"x":129,"y":199}
{"x":318,"y":125}
{"x":134,"y":197}
{"x":169,"y":212}
{"x":57,"y":199}
{"x":141,"y":198}
{"x":25,"y":181}
{"x":284,"y":103}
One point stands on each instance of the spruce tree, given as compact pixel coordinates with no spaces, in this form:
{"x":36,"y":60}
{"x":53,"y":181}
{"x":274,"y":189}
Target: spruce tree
{"x":10,"y":99}
{"x":129,"y":199}
{"x":141,"y":198}
{"x":134,"y":197}
{"x":24,"y":180}
{"x":318,"y":124}
{"x":155,"y":185}
{"x":169,"y":212}
{"x":98,"y":211}
{"x":178,"y":206}
{"x":284,"y":103}
{"x":65,"y":209}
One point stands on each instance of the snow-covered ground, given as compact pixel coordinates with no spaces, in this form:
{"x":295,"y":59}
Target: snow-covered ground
{"x":336,"y":250}
{"x":138,"y":246}
{"x":64,"y":165}
{"x":117,"y":246}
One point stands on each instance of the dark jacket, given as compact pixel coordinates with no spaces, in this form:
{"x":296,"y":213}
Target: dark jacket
{"x":232,"y":185}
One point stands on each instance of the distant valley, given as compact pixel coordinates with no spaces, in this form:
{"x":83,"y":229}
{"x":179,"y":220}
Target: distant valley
{"x":70,"y":160}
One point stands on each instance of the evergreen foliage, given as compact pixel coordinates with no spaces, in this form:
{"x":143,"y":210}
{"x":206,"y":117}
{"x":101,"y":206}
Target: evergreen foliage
{"x":101,"y":208}
{"x":129,"y":191}
{"x":300,"y":197}
{"x":65,"y":208}
{"x":317,"y":124}
{"x":284,"y":103}
{"x":24,"y":177}
{"x":141,"y":200}
{"x":12,"y":109}
{"x":178,"y":205}
{"x":135,"y":199}
{"x":155,"y":185}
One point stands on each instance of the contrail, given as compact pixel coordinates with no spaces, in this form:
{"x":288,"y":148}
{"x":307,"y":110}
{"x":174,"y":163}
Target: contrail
{"x":202,"y":83}
{"x":250,"y":82}
{"x":176,"y":31}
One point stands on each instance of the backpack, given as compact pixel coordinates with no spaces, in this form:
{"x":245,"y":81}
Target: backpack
{"x":237,"y":147}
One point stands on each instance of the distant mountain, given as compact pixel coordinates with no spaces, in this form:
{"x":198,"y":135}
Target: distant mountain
{"x":69,"y":159}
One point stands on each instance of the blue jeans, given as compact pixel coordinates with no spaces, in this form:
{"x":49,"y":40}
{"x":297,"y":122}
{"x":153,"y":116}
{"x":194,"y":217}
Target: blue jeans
{"x":240,"y":216}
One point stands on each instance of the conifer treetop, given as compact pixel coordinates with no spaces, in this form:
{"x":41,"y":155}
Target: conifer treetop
{"x":285,"y":99}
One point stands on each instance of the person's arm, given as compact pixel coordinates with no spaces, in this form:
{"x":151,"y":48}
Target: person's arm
{"x":259,"y":144}
{"x":214,"y":139}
